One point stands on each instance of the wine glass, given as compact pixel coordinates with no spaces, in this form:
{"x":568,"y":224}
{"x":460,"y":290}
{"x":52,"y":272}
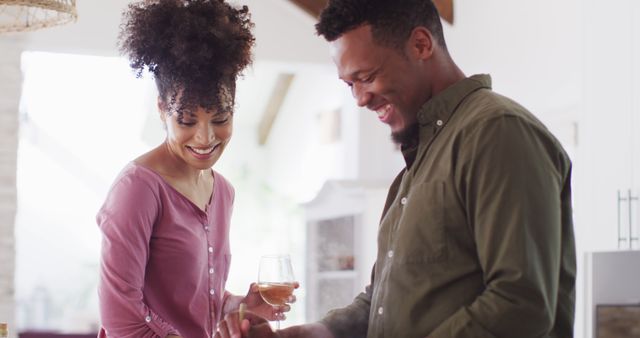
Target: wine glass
{"x":275,"y":280}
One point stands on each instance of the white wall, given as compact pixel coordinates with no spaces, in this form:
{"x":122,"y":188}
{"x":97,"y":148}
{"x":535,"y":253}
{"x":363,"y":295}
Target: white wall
{"x":9,"y":100}
{"x":532,"y":49}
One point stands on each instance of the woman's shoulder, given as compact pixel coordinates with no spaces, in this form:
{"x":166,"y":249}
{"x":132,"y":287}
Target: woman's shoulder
{"x":223,"y":186}
{"x":135,"y":176}
{"x":134,"y":191}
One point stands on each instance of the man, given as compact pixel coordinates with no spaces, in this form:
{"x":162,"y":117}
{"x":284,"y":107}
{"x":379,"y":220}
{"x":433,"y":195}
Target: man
{"x":476,"y":238}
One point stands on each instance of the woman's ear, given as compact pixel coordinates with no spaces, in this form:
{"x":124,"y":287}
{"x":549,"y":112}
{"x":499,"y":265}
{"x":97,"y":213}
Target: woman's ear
{"x":162,"y":109}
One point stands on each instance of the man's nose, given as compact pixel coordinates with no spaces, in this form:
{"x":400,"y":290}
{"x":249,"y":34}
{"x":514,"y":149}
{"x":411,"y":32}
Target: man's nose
{"x":361,"y":95}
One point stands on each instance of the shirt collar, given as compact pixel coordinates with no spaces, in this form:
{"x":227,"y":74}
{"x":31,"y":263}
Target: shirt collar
{"x":441,"y":107}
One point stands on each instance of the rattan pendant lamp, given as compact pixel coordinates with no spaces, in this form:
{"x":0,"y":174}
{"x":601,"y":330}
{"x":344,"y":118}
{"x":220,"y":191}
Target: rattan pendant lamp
{"x":29,"y":15}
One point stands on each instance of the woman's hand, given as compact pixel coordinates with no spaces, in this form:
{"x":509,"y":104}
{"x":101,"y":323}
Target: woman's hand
{"x":258,"y":306}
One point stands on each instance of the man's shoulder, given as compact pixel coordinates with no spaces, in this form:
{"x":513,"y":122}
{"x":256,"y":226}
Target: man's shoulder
{"x":486,"y":103}
{"x":485,"y":107}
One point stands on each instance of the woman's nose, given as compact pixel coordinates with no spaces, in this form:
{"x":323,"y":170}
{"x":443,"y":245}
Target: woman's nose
{"x":205,"y":133}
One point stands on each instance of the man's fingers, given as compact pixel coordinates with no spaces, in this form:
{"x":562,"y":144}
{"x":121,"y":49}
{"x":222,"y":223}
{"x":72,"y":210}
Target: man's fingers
{"x":245,"y":326}
{"x":261,"y":330}
{"x":223,"y":331}
{"x":229,"y":327}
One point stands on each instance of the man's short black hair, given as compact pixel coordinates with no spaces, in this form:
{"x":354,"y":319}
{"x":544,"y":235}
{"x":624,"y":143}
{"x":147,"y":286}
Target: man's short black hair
{"x":391,"y":21}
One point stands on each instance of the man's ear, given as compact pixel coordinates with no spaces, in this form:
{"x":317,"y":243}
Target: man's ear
{"x":421,"y":43}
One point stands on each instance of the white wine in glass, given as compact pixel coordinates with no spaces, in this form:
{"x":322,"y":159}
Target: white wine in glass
{"x":275,"y":280}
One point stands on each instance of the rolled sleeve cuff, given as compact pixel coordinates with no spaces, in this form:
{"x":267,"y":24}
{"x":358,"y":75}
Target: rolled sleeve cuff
{"x":349,"y":322}
{"x":159,"y":326}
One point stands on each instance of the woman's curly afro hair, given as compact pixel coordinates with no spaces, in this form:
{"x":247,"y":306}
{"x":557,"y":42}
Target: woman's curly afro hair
{"x":195,"y":49}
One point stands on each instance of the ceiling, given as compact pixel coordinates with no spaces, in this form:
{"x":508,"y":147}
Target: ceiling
{"x":96,"y":31}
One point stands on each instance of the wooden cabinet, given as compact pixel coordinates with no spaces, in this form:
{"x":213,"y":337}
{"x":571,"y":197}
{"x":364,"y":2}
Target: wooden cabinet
{"x":613,"y":283}
{"x":342,"y":225}
{"x":332,"y":278}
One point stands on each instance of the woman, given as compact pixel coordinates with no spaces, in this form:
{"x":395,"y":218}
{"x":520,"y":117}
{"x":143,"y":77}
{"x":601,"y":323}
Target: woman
{"x":165,"y":223}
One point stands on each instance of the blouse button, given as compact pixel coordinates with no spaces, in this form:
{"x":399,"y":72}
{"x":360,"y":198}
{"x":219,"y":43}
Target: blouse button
{"x":147,"y":319}
{"x":212,"y":291}
{"x":210,"y":270}
{"x":210,"y":249}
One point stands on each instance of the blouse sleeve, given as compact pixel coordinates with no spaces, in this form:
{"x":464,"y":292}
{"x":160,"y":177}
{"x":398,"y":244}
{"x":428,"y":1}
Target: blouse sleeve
{"x":126,"y":221}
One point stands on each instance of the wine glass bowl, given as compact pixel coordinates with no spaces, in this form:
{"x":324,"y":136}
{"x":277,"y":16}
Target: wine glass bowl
{"x":275,"y":280}
{"x":276,"y":294}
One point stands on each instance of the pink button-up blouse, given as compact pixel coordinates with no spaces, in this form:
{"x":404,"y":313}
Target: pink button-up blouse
{"x":164,"y":261}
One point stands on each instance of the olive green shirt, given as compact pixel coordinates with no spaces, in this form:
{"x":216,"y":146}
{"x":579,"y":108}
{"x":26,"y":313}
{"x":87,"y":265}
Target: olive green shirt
{"x":476,"y":239}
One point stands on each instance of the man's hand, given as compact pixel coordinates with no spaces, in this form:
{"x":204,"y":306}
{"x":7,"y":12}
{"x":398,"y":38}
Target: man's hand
{"x":252,"y":326}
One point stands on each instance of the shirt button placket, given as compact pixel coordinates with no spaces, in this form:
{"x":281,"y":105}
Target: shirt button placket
{"x":212,"y":291}
{"x":211,"y":270}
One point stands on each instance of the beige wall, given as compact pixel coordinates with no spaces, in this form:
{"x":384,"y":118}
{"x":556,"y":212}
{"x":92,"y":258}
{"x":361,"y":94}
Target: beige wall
{"x":10,"y":82}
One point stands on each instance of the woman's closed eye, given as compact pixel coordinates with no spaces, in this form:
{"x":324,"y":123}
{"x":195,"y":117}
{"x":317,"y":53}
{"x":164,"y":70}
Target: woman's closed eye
{"x":186,"y":123}
{"x":220,"y":121}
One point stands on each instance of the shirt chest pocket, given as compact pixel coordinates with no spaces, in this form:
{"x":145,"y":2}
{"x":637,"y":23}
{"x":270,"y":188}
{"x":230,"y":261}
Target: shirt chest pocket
{"x":421,"y":233}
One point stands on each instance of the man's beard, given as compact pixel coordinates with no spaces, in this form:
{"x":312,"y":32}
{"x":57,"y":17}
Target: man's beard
{"x":408,"y":136}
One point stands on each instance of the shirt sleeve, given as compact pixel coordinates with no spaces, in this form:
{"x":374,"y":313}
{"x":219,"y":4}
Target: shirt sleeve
{"x":511,"y":182}
{"x":126,"y":221}
{"x":351,"y":321}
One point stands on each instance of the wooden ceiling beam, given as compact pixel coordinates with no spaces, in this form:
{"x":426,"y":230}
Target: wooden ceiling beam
{"x":312,"y":7}
{"x":278,"y":95}
{"x":445,"y":8}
